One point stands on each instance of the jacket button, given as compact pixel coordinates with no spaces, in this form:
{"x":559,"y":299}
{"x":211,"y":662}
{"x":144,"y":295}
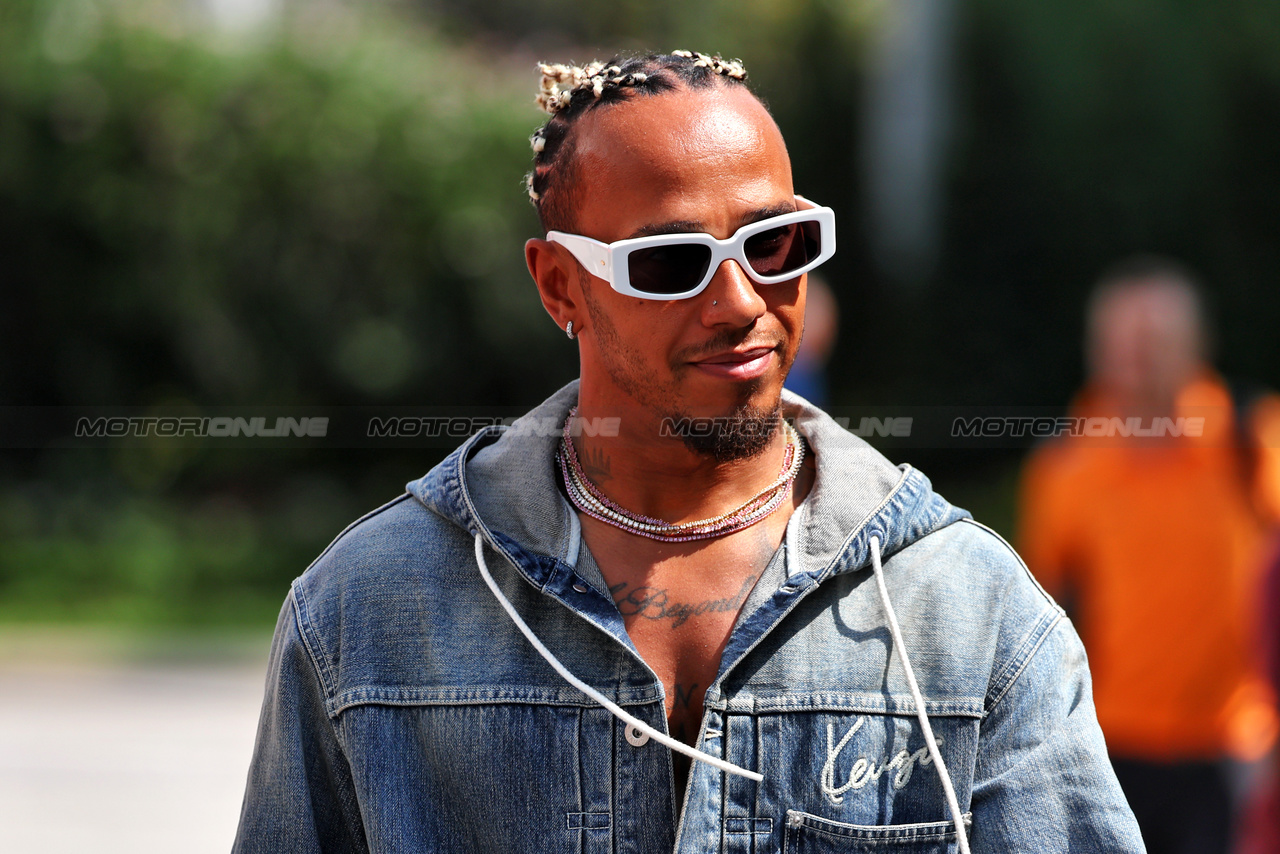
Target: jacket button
{"x":637,"y":737}
{"x":580,"y":587}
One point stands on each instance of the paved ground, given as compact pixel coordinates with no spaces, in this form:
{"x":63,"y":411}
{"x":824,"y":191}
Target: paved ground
{"x":100,"y":754}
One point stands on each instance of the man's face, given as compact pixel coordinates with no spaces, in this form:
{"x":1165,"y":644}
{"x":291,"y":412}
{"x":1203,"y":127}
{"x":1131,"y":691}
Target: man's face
{"x":1146,"y":343}
{"x":686,"y":161}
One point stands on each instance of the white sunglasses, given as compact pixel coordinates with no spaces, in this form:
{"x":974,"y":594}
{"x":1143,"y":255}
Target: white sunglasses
{"x":678,"y":266}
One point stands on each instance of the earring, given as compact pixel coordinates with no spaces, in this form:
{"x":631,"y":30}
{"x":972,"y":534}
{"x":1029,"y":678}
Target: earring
{"x":568,"y":329}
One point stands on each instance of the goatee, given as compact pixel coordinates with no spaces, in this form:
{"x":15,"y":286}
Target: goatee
{"x":741,"y":435}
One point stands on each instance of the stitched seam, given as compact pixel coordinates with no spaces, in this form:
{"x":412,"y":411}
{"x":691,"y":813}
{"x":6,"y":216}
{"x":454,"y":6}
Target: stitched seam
{"x":344,"y":784}
{"x":1047,"y":623}
{"x":455,"y":478}
{"x":861,"y":526}
{"x":1008,"y":671}
{"x":1014,"y":553}
{"x":584,"y":822}
{"x":885,"y":839}
{"x":366,"y":517}
{"x":888,"y":839}
{"x":347,"y":786}
{"x":311,"y":643}
{"x":480,"y":526}
{"x":1032,"y":640}
{"x":357,"y":697}
{"x":743,"y":825}
{"x":972,"y":707}
{"x":875,"y":834}
{"x":579,"y":767}
{"x":301,"y":610}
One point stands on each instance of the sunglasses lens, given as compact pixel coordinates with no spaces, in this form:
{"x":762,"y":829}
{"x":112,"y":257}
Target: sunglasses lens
{"x":778,"y":251}
{"x":670,"y":269}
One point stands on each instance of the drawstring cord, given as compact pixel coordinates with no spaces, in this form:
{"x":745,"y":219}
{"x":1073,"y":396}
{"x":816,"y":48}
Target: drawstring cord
{"x":929,"y":740}
{"x":630,"y":720}
{"x":728,"y":767}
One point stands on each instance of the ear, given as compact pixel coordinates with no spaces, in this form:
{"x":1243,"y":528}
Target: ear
{"x":554,"y":271}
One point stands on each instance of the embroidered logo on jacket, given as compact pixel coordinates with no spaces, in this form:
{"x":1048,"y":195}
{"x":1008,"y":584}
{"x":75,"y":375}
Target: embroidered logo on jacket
{"x":867,"y":770}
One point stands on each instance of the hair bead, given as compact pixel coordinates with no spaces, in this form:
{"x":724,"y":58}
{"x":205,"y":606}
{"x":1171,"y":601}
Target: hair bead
{"x":561,"y":84}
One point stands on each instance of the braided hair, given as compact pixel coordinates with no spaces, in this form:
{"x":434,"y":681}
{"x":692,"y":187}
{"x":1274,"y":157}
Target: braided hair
{"x":569,"y":91}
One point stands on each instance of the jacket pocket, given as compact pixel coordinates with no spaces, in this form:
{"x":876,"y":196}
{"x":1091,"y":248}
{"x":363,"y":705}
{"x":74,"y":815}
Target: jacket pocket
{"x":809,"y":834}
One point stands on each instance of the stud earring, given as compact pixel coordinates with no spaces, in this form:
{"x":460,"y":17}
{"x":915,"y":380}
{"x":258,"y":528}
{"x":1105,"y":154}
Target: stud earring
{"x":568,"y":329}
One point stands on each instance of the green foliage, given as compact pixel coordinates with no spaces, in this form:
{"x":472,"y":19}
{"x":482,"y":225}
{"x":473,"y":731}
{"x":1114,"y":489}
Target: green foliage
{"x":330,"y":214}
{"x":333,"y":214}
{"x":73,"y":557}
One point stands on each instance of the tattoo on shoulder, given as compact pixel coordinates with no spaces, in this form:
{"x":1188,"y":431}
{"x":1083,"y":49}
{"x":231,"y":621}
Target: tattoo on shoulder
{"x":655,"y":603}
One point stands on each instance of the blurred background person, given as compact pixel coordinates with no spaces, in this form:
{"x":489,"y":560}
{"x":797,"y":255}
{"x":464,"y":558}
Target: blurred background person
{"x":1154,"y":544}
{"x":808,"y":377}
{"x":1259,"y":829}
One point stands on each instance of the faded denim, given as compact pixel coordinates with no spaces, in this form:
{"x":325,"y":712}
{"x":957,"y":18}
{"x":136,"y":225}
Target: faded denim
{"x":405,"y":712}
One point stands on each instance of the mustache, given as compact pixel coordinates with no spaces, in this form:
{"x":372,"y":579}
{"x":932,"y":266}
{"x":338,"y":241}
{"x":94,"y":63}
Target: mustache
{"x":731,"y":340}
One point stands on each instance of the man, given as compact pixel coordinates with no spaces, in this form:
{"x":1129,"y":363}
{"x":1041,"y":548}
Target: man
{"x":1153,"y":537}
{"x":808,"y":374}
{"x":667,"y":627}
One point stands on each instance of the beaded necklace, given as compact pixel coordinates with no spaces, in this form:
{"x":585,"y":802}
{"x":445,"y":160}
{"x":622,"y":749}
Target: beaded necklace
{"x":588,"y":498}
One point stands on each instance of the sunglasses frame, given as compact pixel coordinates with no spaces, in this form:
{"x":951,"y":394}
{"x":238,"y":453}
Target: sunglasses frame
{"x":609,"y":261}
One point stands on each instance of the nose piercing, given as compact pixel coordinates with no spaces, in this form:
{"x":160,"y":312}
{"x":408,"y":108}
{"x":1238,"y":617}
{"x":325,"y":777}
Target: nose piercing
{"x":714,"y":301}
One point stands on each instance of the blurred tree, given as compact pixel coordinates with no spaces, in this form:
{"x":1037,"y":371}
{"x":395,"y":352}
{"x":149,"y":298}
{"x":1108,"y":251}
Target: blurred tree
{"x":332,"y":214}
{"x":331,"y":211}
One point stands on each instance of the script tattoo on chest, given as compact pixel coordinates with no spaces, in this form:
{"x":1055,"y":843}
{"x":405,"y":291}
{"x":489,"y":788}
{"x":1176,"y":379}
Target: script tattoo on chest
{"x":655,"y":603}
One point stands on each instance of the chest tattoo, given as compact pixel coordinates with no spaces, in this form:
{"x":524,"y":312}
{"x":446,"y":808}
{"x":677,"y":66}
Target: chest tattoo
{"x":656,"y":603}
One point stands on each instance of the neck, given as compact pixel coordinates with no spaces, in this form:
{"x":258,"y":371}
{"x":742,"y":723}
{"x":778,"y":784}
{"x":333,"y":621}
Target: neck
{"x":647,"y":467}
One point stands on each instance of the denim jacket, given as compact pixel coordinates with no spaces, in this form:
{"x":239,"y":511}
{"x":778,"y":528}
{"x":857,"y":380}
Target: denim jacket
{"x":405,"y":711}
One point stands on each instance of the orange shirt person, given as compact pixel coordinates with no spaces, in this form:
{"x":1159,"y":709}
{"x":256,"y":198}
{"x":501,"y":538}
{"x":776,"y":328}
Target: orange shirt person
{"x":1153,"y":541}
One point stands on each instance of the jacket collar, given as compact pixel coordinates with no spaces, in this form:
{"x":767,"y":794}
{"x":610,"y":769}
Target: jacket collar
{"x":503,"y":480}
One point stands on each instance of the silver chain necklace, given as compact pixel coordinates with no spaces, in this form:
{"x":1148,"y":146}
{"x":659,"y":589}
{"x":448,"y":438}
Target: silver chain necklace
{"x":588,"y":498}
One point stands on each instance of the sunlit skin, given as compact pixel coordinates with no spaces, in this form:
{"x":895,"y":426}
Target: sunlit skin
{"x":701,"y":160}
